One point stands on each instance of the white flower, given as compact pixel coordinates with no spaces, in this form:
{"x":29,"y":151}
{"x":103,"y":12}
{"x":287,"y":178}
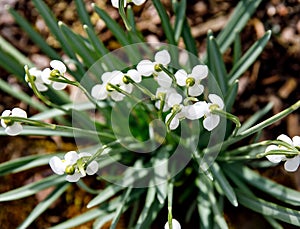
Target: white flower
{"x":58,"y":68}
{"x":116,"y":78}
{"x":167,"y":92}
{"x":115,"y":3}
{"x":37,"y":79}
{"x":13,"y":128}
{"x":291,"y":164}
{"x":192,"y":81}
{"x":148,"y":68}
{"x":175,"y":224}
{"x":69,"y":166}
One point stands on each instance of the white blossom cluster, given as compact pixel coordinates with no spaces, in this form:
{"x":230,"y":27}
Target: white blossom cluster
{"x":167,"y":96}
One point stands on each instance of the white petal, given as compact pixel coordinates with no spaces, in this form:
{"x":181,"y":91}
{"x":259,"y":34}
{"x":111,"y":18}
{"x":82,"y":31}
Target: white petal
{"x":74,"y":177}
{"x":181,"y":77}
{"x":138,"y":2}
{"x":296,"y":141}
{"x":196,"y":90}
{"x":116,"y":77}
{"x":215,"y":99}
{"x":135,"y":75}
{"x":45,"y":76}
{"x":99,"y":92}
{"x":92,"y":168}
{"x":6,"y":113}
{"x":199,"y":72}
{"x":145,"y":67}
{"x":292,"y":164}
{"x":71,"y":157}
{"x":106,"y":76}
{"x":174,"y":98}
{"x":58,"y":65}
{"x":275,"y":158}
{"x":162,"y":57}
{"x":164,"y":80}
{"x":57,"y":165}
{"x":127,"y":87}
{"x":18,"y":112}
{"x":271,"y":147}
{"x":211,"y":122}
{"x":116,"y":96}
{"x":115,"y":3}
{"x":174,"y":122}
{"x":196,"y":111}
{"x":35,"y":72}
{"x":175,"y":224}
{"x":59,"y":86}
{"x":285,"y":138}
{"x":14,"y":130}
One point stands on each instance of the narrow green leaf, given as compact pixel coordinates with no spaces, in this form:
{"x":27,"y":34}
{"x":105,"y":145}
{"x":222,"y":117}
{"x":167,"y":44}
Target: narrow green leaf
{"x":231,"y":96}
{"x":34,"y":36}
{"x":165,"y":22}
{"x":224,"y":184}
{"x":189,"y":40}
{"x":248,"y":58}
{"x":204,"y":207}
{"x":216,"y":64}
{"x":8,"y":63}
{"x":24,"y":163}
{"x":31,"y":189}
{"x":255,"y":117}
{"x":237,"y":49}
{"x":83,"y":14}
{"x":274,"y":189}
{"x":103,"y":219}
{"x":98,"y":45}
{"x":150,"y":198}
{"x":180,"y":11}
{"x":237,"y":22}
{"x":42,"y":206}
{"x":18,"y":94}
{"x":269,"y":209}
{"x":120,"y":209}
{"x":112,"y":25}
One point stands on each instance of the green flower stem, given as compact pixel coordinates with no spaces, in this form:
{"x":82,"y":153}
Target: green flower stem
{"x":228,"y":158}
{"x":174,"y":112}
{"x":229,"y":116}
{"x":33,"y":122}
{"x":38,"y":94}
{"x":170,"y":201}
{"x":76,"y":84}
{"x":162,"y":98}
{"x":254,"y":129}
{"x":162,"y":68}
{"x":288,"y":153}
{"x":100,"y":151}
{"x":123,"y":15}
{"x":141,"y":88}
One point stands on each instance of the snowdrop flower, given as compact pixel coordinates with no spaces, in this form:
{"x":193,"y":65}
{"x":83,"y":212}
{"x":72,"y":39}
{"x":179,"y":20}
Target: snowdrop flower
{"x":175,"y":224}
{"x":148,"y":68}
{"x":203,"y":109}
{"x":58,"y":69}
{"x":36,"y":74}
{"x":165,"y":93}
{"x":69,"y":166}
{"x":13,"y":128}
{"x":192,"y":81}
{"x":115,"y":3}
{"x":119,"y":79}
{"x":291,"y":164}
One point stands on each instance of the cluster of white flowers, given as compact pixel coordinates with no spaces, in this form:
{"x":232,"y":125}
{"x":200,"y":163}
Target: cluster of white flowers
{"x":42,"y":78}
{"x":291,"y":163}
{"x":167,"y":95}
{"x":70,"y":165}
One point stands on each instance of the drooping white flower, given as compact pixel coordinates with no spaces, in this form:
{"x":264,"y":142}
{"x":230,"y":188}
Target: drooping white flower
{"x":37,"y":79}
{"x":174,"y":101}
{"x":167,"y":92}
{"x":291,"y":164}
{"x":102,"y":91}
{"x":148,"y":68}
{"x":192,"y":80}
{"x":69,"y":166}
{"x":175,"y":224}
{"x":115,"y":3}
{"x":58,"y":68}
{"x":13,"y":128}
